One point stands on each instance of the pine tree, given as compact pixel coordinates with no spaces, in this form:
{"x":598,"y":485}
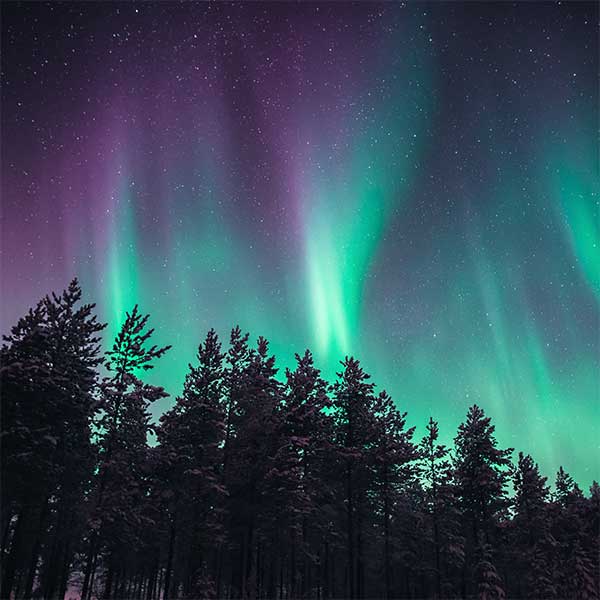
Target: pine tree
{"x":393,"y":456}
{"x":48,"y":376}
{"x":191,"y":439}
{"x":297,"y":470}
{"x":567,"y":491}
{"x":441,"y":506}
{"x":575,"y":570}
{"x":123,"y":428}
{"x":530,"y":497}
{"x":255,"y":395}
{"x":531,"y":532}
{"x":355,"y":433}
{"x":238,"y":357}
{"x":591,"y":533}
{"x":481,"y":477}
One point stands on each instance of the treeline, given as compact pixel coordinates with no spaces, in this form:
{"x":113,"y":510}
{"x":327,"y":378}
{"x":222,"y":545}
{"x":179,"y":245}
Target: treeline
{"x":259,"y":487}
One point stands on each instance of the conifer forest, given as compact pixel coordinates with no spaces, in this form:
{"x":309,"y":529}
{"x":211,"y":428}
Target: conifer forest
{"x":259,"y":485}
{"x":299,"y":300}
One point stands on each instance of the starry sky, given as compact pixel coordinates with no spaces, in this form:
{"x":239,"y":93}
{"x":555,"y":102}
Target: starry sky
{"x":413,"y":184}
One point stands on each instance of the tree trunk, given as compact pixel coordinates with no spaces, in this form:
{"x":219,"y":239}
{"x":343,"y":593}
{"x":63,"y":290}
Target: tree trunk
{"x":137,"y":585}
{"x":65,"y":571}
{"x":386,"y":545}
{"x":218,"y":569}
{"x":109,"y":579}
{"x":304,"y":584}
{"x":325,"y":572}
{"x":10,"y":564}
{"x":89,"y":566}
{"x":93,"y":577}
{"x":292,"y":583}
{"x":360,"y":566}
{"x":170,"y":559}
{"x":7,"y":516}
{"x":436,"y":540}
{"x":35,"y":551}
{"x":247,"y":562}
{"x":152,"y":583}
{"x":53,"y":571}
{"x":161,"y":574}
{"x":350,"y":530}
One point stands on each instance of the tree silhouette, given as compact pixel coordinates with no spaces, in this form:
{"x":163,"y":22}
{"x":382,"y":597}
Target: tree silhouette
{"x":48,"y":375}
{"x":191,"y":437}
{"x":481,"y":471}
{"x":256,"y":486}
{"x":441,"y":505}
{"x":122,"y":432}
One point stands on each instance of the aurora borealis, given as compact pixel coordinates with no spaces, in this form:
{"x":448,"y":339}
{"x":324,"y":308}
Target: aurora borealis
{"x":413,"y":184}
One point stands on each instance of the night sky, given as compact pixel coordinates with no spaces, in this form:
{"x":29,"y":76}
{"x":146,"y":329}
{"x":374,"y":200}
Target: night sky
{"x":414,"y":184}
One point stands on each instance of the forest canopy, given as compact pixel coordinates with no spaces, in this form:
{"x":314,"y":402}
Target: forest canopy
{"x":259,"y":486}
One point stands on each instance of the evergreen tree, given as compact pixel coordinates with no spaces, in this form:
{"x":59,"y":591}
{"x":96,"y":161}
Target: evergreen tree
{"x":530,"y":497}
{"x":567,"y":491}
{"x":48,"y":376}
{"x":441,"y":506}
{"x":575,"y":572}
{"x":191,"y":439}
{"x":123,"y":428}
{"x":531,"y":531}
{"x":481,"y":477}
{"x":298,"y":471}
{"x":255,"y":395}
{"x":591,"y":533}
{"x":257,"y":487}
{"x":394,"y":460}
{"x":355,"y":433}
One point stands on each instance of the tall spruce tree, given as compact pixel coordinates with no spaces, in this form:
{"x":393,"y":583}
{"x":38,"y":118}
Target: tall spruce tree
{"x":48,"y":375}
{"x":575,"y":562}
{"x":531,"y":531}
{"x":191,"y":437}
{"x":297,"y":472}
{"x":393,"y":456}
{"x":355,"y":433}
{"x":254,"y":398}
{"x":591,"y":533}
{"x":123,"y":427}
{"x":441,"y":506}
{"x":482,"y":476}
